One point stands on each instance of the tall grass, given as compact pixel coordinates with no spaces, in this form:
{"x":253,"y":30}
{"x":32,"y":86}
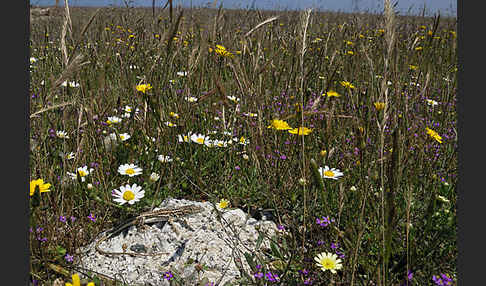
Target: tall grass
{"x":391,"y":213}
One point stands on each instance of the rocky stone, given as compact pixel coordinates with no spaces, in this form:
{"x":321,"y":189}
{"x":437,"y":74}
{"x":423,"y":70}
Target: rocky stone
{"x":202,"y":245}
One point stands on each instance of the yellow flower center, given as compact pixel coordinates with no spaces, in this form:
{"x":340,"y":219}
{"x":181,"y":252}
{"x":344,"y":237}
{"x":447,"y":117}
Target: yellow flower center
{"x":128,"y":195}
{"x":130,"y":171}
{"x":328,"y":263}
{"x":82,"y":173}
{"x":200,"y":140}
{"x":329,"y":173}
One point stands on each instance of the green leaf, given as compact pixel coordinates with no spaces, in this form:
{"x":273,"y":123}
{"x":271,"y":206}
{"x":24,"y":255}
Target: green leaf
{"x":250,"y":260}
{"x":259,"y":241}
{"x":275,"y":250}
{"x":60,"y":250}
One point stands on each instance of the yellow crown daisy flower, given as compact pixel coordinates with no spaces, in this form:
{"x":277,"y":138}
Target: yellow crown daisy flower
{"x":143,"y":87}
{"x":77,"y":281}
{"x":43,"y":187}
{"x":223,"y":203}
{"x":300,"y":131}
{"x":279,"y":125}
{"x":379,"y":105}
{"x":347,"y":84}
{"x":413,"y":67}
{"x":331,"y":93}
{"x":434,"y":135}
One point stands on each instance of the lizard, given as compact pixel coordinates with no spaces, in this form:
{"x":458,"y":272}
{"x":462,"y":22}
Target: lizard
{"x":161,"y":215}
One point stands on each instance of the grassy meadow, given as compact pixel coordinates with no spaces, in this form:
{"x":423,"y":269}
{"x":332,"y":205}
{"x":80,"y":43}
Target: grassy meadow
{"x":341,"y":125}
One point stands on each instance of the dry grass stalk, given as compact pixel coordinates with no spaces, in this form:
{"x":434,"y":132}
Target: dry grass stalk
{"x":390,"y":41}
{"x":35,"y":114}
{"x":304,"y":25}
{"x":261,"y":24}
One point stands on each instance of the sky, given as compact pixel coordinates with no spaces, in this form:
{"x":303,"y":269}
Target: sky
{"x":404,"y":7}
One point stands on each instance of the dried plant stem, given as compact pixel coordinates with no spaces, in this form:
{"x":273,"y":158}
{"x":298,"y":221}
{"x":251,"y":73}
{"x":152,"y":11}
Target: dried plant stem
{"x":389,"y":40}
{"x":305,"y":24}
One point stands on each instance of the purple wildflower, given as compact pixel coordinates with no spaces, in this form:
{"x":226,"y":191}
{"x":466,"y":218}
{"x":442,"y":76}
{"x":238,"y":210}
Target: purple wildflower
{"x":324,"y":221}
{"x":271,"y":277}
{"x":62,"y":218}
{"x":304,"y":272}
{"x":443,"y":280}
{"x":258,"y":275}
{"x":409,"y":275}
{"x":168,"y":275}
{"x":308,"y":281}
{"x":340,"y":254}
{"x":69,"y":258}
{"x":92,"y":217}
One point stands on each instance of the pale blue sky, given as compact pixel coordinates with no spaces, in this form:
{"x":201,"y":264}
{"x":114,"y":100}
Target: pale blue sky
{"x":445,"y":7}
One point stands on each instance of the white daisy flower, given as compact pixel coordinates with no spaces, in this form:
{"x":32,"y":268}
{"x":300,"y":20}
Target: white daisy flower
{"x":328,"y":261}
{"x":82,"y":172}
{"x":330,"y":173}
{"x":220,"y":143}
{"x":249,"y":114}
{"x":128,"y":111}
{"x":125,"y":136}
{"x":233,"y":98}
{"x":243,"y":141}
{"x":209,"y":143}
{"x":191,"y":98}
{"x":199,"y":138}
{"x":164,"y":159}
{"x":227,"y":133}
{"x":32,"y":60}
{"x":184,"y":138}
{"x":113,"y":120}
{"x":128,"y":194}
{"x":154,"y":177}
{"x":182,"y":73}
{"x":130,"y":170}
{"x":70,"y":156}
{"x":216,"y":118}
{"x":173,"y":114}
{"x":70,"y":84}
{"x":431,"y":102}
{"x":62,"y":134}
{"x":132,"y":67}
{"x":170,"y":124}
